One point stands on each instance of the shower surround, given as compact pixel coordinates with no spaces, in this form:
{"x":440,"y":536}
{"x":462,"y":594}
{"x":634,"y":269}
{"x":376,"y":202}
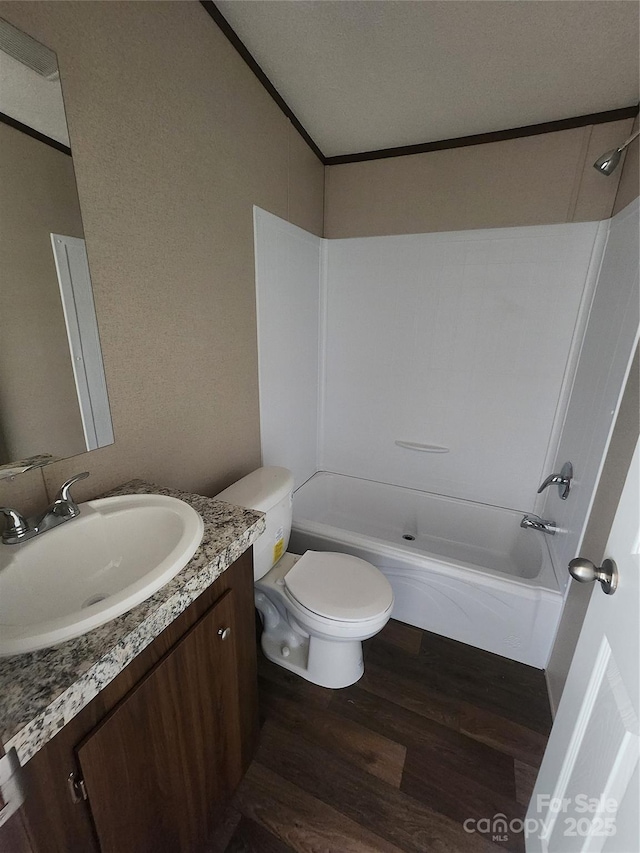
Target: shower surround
{"x":428,"y":374}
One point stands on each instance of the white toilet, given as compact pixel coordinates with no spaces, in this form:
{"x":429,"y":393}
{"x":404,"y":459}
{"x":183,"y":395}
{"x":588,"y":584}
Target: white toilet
{"x":316,"y":608}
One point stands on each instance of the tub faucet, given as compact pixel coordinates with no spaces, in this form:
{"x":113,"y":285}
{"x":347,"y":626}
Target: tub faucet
{"x":534,"y":522}
{"x":20,"y":529}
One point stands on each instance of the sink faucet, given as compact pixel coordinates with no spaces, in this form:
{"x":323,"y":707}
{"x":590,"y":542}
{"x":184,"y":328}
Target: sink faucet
{"x":534,"y":522}
{"x":20,"y":529}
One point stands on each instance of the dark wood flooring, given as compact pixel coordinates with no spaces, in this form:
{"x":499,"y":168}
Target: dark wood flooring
{"x":435,"y":733}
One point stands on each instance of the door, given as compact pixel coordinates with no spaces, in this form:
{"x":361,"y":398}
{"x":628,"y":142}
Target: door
{"x":160,"y":768}
{"x":586,"y":795}
{"x":13,"y":835}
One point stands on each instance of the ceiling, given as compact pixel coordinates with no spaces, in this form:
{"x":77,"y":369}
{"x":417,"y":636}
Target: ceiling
{"x":361,"y":75}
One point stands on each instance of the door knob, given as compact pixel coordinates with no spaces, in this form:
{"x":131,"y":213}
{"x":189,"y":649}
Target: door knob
{"x":223,"y":633}
{"x":586,"y":572}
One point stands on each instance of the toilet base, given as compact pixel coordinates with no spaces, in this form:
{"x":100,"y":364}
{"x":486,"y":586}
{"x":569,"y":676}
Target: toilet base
{"x":324,"y":662}
{"x":324,"y":652}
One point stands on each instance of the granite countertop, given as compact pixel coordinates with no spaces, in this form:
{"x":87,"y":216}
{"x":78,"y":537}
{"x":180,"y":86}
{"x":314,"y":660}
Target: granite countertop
{"x":41,"y":691}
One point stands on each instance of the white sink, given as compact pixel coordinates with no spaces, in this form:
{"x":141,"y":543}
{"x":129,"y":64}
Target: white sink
{"x":71,"y":579}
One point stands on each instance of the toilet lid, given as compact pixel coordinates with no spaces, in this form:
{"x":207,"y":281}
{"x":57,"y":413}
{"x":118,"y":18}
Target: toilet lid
{"x":338,"y":586}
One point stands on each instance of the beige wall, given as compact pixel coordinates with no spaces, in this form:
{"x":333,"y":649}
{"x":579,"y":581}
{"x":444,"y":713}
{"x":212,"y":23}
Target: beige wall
{"x":174,"y":140}
{"x":39,"y":410}
{"x":530,"y":181}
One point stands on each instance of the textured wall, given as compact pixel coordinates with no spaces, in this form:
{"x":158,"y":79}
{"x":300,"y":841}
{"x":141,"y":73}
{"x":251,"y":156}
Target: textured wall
{"x":536,"y":180}
{"x":174,"y":140}
{"x":36,"y":375}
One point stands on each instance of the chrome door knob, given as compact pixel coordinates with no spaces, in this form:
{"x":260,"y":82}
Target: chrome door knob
{"x":585,"y":571}
{"x":223,"y":633}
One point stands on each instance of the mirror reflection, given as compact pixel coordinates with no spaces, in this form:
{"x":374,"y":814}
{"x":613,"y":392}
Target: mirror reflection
{"x":53,"y":393}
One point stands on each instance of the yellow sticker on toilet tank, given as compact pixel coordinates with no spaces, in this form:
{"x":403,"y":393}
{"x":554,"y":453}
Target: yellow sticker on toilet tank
{"x":278,"y":548}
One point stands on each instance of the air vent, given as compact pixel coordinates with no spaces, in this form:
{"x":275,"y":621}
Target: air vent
{"x":28,"y":51}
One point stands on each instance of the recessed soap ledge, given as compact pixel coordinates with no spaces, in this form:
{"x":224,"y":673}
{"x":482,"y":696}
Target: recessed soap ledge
{"x":42,"y":691}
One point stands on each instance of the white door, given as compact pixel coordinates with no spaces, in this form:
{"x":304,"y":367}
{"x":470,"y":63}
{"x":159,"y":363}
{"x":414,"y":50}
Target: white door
{"x":586,"y":796}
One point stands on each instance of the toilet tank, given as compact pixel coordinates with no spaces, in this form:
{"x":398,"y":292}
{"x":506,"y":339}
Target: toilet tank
{"x":269,"y":490}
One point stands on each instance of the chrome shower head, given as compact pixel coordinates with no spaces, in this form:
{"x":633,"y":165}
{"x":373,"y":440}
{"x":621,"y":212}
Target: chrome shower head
{"x":608,"y":162}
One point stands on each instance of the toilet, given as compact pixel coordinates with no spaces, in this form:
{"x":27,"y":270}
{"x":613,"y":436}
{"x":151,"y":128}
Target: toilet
{"x":317,"y":607}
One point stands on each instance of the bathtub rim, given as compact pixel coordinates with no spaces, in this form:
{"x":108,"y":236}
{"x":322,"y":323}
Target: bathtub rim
{"x":546,"y":579}
{"x":532,"y":588}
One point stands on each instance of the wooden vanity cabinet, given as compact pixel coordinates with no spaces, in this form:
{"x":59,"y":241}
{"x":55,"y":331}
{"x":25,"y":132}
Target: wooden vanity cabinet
{"x":160,"y":751}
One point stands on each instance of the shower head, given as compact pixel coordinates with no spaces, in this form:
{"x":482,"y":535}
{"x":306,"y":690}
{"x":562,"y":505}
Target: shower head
{"x":608,"y":162}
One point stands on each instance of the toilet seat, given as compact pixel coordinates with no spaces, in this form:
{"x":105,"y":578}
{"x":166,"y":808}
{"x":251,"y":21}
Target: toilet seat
{"x":338,"y":587}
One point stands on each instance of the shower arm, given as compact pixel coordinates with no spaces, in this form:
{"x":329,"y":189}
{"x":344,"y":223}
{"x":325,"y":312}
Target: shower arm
{"x":629,"y":141}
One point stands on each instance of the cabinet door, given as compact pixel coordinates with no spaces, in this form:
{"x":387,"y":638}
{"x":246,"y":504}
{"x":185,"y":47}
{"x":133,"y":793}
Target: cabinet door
{"x":160,"y":767}
{"x":13,"y":836}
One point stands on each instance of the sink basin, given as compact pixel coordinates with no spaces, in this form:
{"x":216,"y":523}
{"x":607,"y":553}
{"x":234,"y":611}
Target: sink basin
{"x":69,"y":580}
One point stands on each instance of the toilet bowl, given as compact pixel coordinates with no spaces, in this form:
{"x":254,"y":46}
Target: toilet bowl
{"x":318,"y":607}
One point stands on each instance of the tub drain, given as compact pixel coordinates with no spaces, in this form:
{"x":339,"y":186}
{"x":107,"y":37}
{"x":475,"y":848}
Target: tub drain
{"x":94,"y":599}
{"x":408,"y":537}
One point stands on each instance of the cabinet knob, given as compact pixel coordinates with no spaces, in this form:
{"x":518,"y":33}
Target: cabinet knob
{"x":223,"y":633}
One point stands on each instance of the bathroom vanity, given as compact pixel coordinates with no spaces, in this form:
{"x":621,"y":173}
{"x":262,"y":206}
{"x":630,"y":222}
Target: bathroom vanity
{"x":134,"y":737}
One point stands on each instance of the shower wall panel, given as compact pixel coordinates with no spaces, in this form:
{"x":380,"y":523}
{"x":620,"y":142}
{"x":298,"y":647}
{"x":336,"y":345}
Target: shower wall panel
{"x":461,"y":340}
{"x":287,"y":297}
{"x":605,"y":360}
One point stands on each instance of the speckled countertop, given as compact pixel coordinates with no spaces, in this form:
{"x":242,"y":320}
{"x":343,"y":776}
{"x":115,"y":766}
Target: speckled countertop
{"x":41,"y":691}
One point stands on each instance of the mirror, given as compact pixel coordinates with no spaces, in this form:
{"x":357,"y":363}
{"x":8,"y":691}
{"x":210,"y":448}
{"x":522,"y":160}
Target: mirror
{"x":53,"y":393}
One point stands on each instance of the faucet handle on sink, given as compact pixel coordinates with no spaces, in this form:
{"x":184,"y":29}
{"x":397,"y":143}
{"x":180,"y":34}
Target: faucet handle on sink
{"x":64,"y":504}
{"x":16,"y":525}
{"x":64,"y":488}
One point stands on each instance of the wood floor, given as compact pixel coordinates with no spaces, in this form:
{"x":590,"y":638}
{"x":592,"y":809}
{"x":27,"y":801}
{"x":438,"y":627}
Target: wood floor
{"x":435,"y":733}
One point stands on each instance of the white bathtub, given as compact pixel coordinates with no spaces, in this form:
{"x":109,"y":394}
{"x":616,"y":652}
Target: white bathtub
{"x":464,"y":570}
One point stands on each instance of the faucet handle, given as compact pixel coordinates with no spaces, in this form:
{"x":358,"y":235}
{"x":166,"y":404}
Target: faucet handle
{"x":15,"y":527}
{"x":64,"y":505}
{"x":551,"y":479}
{"x":562,"y":480}
{"x":63,"y":494}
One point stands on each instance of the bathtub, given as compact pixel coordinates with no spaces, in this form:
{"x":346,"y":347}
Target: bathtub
{"x":465,"y":570}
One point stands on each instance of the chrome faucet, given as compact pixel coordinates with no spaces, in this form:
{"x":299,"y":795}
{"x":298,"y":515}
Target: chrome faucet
{"x":561,"y":480}
{"x":20,"y":529}
{"x":534,"y":522}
